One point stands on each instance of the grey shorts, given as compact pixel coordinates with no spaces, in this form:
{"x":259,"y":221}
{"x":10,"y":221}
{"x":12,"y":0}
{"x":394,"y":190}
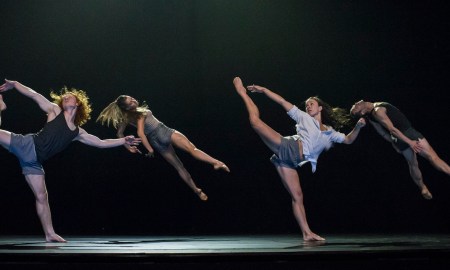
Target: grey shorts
{"x":160,"y":137}
{"x":288,"y":153}
{"x":22,"y":146}
{"x":410,"y":133}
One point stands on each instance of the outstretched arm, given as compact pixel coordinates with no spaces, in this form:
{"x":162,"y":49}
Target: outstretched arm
{"x":120,"y":134}
{"x":92,"y":140}
{"x":43,"y":103}
{"x":351,"y":137}
{"x":273,"y":96}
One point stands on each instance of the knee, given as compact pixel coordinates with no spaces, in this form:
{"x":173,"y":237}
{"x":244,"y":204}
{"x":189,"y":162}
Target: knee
{"x":297,"y":197}
{"x":42,"y":197}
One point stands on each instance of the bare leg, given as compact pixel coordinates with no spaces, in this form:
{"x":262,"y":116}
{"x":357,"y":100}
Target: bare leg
{"x":179,"y":140}
{"x":2,"y":108}
{"x":429,"y":153}
{"x":291,"y":182}
{"x":269,"y":136}
{"x":415,"y":172}
{"x":171,"y":157}
{"x":37,"y":184}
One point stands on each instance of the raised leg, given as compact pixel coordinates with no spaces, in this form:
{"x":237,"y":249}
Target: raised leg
{"x":180,"y":141}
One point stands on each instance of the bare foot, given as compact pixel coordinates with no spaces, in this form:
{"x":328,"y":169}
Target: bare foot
{"x":239,"y":86}
{"x":2,"y":104}
{"x":426,"y":194}
{"x":54,"y":238}
{"x":221,"y":166}
{"x":312,"y":237}
{"x":201,"y":195}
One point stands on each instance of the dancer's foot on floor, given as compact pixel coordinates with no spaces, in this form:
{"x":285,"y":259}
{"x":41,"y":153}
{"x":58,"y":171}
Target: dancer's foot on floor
{"x":54,"y":238}
{"x":312,"y":237}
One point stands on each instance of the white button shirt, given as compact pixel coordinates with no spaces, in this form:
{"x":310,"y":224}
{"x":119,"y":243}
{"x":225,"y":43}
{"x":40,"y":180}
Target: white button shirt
{"x":313,"y":139}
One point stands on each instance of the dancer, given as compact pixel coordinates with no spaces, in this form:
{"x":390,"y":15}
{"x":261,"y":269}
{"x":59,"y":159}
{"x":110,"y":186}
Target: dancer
{"x":315,"y":134}
{"x":68,"y":111}
{"x":2,"y":108}
{"x":395,"y":128}
{"x":125,"y":110}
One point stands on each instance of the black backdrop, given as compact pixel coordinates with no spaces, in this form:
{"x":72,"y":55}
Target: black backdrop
{"x":180,"y":57}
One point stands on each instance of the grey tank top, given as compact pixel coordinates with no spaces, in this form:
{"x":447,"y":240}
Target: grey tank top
{"x":151,"y":123}
{"x":54,"y":137}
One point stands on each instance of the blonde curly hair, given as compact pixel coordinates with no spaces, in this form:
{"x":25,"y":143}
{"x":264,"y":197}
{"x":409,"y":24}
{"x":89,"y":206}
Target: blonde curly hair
{"x":84,"y":107}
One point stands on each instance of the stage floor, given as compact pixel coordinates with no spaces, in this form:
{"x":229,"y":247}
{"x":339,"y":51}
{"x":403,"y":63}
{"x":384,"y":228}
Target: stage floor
{"x":228,"y":252}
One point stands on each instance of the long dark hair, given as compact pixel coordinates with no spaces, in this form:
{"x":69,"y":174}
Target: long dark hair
{"x":335,"y":117}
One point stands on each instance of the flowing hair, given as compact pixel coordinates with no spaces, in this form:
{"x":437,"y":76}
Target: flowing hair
{"x":335,"y":117}
{"x":84,"y":107}
{"x":117,"y":112}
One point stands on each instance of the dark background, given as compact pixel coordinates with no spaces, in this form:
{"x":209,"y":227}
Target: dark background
{"x":181,"y":57}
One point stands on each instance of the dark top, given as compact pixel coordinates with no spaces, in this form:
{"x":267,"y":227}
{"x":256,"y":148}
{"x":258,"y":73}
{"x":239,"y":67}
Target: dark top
{"x":54,"y":137}
{"x":397,"y":118}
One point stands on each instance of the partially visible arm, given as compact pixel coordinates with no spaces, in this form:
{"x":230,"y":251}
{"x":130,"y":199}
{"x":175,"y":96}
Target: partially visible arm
{"x":381,"y":116}
{"x":351,"y":137}
{"x":140,"y":132}
{"x":380,"y":130}
{"x":43,"y":103}
{"x":273,"y":96}
{"x":120,"y":134}
{"x":92,"y":140}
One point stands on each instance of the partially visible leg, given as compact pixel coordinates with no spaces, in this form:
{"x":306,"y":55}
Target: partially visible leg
{"x":179,"y":140}
{"x":2,"y":108}
{"x":291,"y":182}
{"x":429,"y":153}
{"x":269,"y":136}
{"x":415,"y":172}
{"x":37,"y":184}
{"x":5,"y":138}
{"x":171,"y":157}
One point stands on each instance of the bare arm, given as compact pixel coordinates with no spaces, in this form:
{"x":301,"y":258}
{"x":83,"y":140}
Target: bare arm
{"x":120,"y":134}
{"x":273,"y":96}
{"x":140,"y":132}
{"x":351,"y":137}
{"x":381,"y":116}
{"x":380,"y":130}
{"x":43,"y":103}
{"x":92,"y":140}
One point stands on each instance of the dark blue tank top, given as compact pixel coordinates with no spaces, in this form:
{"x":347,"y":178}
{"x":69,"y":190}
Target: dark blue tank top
{"x":397,"y":118}
{"x":54,"y":137}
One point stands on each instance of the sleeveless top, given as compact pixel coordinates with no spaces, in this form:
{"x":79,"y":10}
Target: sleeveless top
{"x":151,"y":123}
{"x":397,"y":118}
{"x":54,"y":137}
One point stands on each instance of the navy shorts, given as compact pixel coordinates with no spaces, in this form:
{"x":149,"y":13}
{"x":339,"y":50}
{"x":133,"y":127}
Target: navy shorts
{"x":288,"y":153}
{"x":22,"y":146}
{"x":160,"y":138}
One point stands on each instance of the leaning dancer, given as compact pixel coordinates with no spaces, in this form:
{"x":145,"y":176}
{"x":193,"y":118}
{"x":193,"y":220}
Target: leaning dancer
{"x":125,"y":110}
{"x":315,"y":133}
{"x":68,"y":111}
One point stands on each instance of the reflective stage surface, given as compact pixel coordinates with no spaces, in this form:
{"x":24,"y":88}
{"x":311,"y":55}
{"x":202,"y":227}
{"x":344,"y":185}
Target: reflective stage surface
{"x":227,"y":252}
